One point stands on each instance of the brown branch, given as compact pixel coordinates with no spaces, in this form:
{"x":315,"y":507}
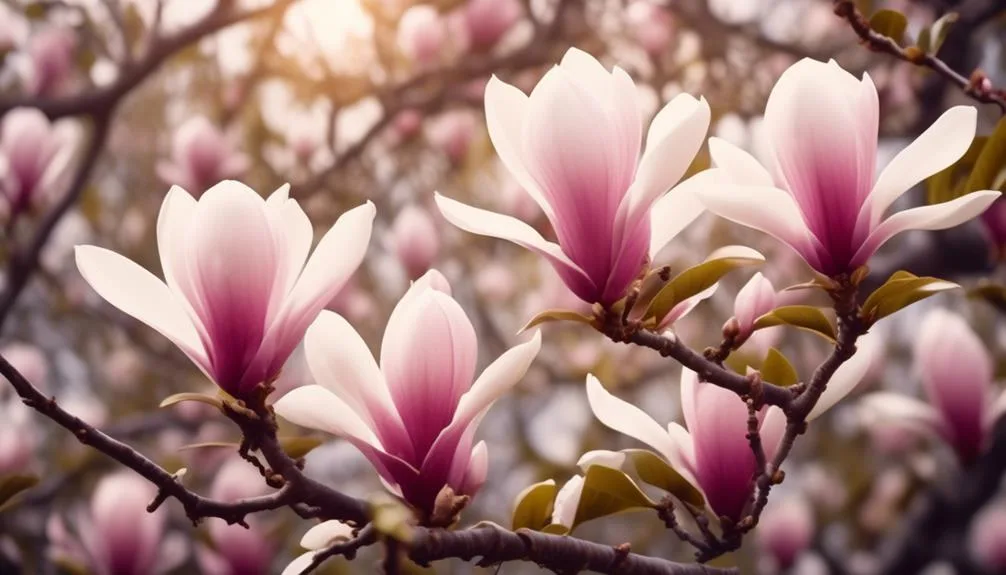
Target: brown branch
{"x":976,"y":86}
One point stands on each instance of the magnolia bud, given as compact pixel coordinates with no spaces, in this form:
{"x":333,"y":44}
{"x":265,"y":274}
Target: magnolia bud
{"x":489,"y":20}
{"x":452,"y":132}
{"x":51,"y":54}
{"x":786,"y":530}
{"x":422,"y":34}
{"x":407,"y":123}
{"x":988,"y":538}
{"x":414,"y":240}
{"x":754,"y":300}
{"x":651,"y":25}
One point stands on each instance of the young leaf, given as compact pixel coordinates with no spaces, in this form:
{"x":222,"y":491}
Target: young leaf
{"x":939,"y":30}
{"x":901,"y":290}
{"x":534,"y":506}
{"x":805,"y":317}
{"x":700,"y":277}
{"x":652,"y":469}
{"x":778,"y":370}
{"x":551,"y":315}
{"x":890,"y":23}
{"x":607,"y":491}
{"x":11,"y":485}
{"x":297,"y":447}
{"x":990,"y":166}
{"x":206,"y":398}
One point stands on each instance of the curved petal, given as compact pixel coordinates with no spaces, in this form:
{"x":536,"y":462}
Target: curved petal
{"x":933,"y":217}
{"x":314,"y":407}
{"x":506,"y":114}
{"x":847,"y":376}
{"x":477,"y":471}
{"x":939,"y":146}
{"x":685,"y":306}
{"x":567,"y":500}
{"x":674,"y":138}
{"x":340,"y":361}
{"x":295,"y":233}
{"x":486,"y":223}
{"x":173,"y":222}
{"x":773,"y":425}
{"x":300,"y":564}
{"x":678,"y":208}
{"x":137,"y":292}
{"x":602,"y":457}
{"x":887,"y":408}
{"x":741,"y":166}
{"x":325,"y":533}
{"x":766,"y":209}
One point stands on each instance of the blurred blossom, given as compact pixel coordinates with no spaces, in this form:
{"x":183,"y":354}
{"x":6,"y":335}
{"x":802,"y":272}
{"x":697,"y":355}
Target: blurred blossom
{"x":415,"y":416}
{"x":651,"y":25}
{"x":407,"y":123}
{"x":755,"y":299}
{"x":988,"y":538}
{"x":556,"y":431}
{"x":118,"y":536}
{"x":354,"y":303}
{"x":237,"y":550}
{"x":304,"y":146}
{"x":956,"y":372}
{"x":240,"y":290}
{"x":823,"y":199}
{"x":422,"y":34}
{"x":34,"y":156}
{"x":19,"y":438}
{"x":994,"y":220}
{"x":201,"y":156}
{"x":318,"y":539}
{"x":513,"y":200}
{"x":786,"y":529}
{"x":489,"y":20}
{"x":573,"y":145}
{"x":824,"y":487}
{"x":882,"y":507}
{"x":29,"y":361}
{"x":85,"y":406}
{"x":495,"y":281}
{"x":414,"y":240}
{"x":51,"y":60}
{"x":452,"y":132}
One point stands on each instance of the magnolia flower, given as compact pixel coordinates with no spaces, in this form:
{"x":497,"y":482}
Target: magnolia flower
{"x":50,"y":53}
{"x":452,"y":132}
{"x":240,"y":290}
{"x":414,"y":240}
{"x":567,"y":500}
{"x":316,"y":540}
{"x":956,"y":373}
{"x":201,"y":155}
{"x":237,"y":550}
{"x":988,"y":538}
{"x":415,"y":416}
{"x":573,"y":145}
{"x":712,"y":451}
{"x":422,"y":34}
{"x":489,"y":20}
{"x":651,"y":25}
{"x":786,"y":530}
{"x":34,"y":155}
{"x":754,"y":300}
{"x":819,"y":194}
{"x":118,"y":536}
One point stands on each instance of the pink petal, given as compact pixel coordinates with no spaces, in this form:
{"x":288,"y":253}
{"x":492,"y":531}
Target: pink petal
{"x":742,"y":167}
{"x":678,"y":208}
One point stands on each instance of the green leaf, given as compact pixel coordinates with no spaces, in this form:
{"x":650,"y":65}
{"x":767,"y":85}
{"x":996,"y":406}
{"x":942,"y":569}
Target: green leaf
{"x":939,"y":30}
{"x":652,"y":469}
{"x":776,"y":369}
{"x":994,"y":294}
{"x":557,"y":315}
{"x":555,"y":529}
{"x":206,"y":398}
{"x":205,"y":444}
{"x":805,"y":317}
{"x":901,"y":290}
{"x":890,"y":23}
{"x":13,"y":484}
{"x":534,"y":506}
{"x":297,"y":447}
{"x":951,"y":182}
{"x":37,"y":10}
{"x":922,"y":44}
{"x":607,"y":491}
{"x":700,"y":277}
{"x":391,"y":517}
{"x":990,"y":166}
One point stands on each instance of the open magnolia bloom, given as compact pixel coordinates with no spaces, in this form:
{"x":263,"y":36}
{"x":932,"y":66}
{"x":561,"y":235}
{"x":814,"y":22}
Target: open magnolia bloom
{"x":239,"y":289}
{"x":819,"y":194}
{"x":712,"y":452}
{"x":574,"y":145}
{"x":34,"y":156}
{"x":956,"y":373}
{"x":415,"y":416}
{"x":201,"y":155}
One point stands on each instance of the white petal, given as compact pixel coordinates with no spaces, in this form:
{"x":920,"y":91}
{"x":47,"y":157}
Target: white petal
{"x":325,"y":533}
{"x":602,"y":457}
{"x":939,"y":146}
{"x":685,"y":306}
{"x":741,"y":166}
{"x":567,"y":500}
{"x":886,"y":408}
{"x":497,"y":379}
{"x":295,"y":231}
{"x":847,"y":376}
{"x":174,"y":223}
{"x":678,"y":208}
{"x":315,"y":407}
{"x":298,"y":565}
{"x":932,"y":217}
{"x":486,"y":223}
{"x":140,"y":294}
{"x":674,"y":137}
{"x":506,"y":113}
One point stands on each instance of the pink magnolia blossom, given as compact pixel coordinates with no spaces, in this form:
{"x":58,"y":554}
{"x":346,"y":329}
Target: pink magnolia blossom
{"x":452,"y":132}
{"x":240,"y":290}
{"x":651,"y":25}
{"x":415,"y":416}
{"x":786,"y":529}
{"x":50,"y":53}
{"x":422,"y":34}
{"x":574,"y":145}
{"x":237,"y":550}
{"x":712,"y":451}
{"x":489,"y":20}
{"x":956,"y":372}
{"x":988,"y":538}
{"x":819,"y":194}
{"x":201,"y":155}
{"x":414,"y":240}
{"x":755,"y":299}
{"x":34,"y":155}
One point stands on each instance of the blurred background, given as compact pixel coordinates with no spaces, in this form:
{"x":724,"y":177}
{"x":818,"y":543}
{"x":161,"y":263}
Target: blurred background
{"x":381,"y":100}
